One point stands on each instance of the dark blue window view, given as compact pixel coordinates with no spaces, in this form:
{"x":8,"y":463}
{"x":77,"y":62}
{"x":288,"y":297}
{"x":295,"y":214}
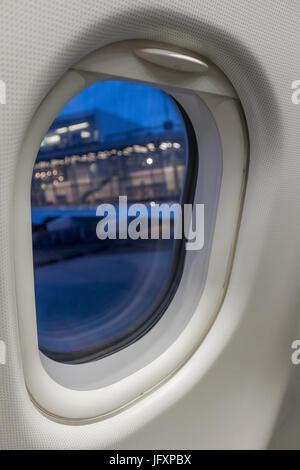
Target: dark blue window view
{"x":94,"y":297}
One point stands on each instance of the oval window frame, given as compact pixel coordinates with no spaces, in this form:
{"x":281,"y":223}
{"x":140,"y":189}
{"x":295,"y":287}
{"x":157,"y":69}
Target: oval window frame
{"x":79,"y":405}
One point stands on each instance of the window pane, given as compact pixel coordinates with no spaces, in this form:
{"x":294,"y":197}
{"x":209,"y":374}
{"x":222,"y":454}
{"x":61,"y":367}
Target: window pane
{"x":94,"y":297}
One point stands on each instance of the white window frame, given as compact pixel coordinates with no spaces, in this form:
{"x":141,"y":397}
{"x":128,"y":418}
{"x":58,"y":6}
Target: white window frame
{"x":85,"y":392}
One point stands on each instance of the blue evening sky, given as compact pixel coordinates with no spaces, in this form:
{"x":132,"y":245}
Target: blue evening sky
{"x":142,"y":104}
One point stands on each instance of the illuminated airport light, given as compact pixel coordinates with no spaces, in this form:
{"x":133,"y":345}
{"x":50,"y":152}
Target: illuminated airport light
{"x":102,"y":155}
{"x":85,"y":134}
{"x":61,"y":130}
{"x":151,"y":147}
{"x":149,"y":161}
{"x":79,"y":126}
{"x":163,"y":146}
{"x":140,"y":149}
{"x":52,"y":139}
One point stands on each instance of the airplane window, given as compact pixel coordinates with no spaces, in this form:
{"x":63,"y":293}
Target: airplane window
{"x":105,"y":269}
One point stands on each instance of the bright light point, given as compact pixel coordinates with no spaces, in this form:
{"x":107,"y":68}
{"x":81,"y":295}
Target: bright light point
{"x":151,"y":147}
{"x":52,"y":139}
{"x":176,"y":145}
{"x":102,"y":155}
{"x":152,"y":203}
{"x":163,"y":146}
{"x":77,"y":127}
{"x":149,"y":161}
{"x":61,"y":130}
{"x":140,"y":149}
{"x":85,"y":134}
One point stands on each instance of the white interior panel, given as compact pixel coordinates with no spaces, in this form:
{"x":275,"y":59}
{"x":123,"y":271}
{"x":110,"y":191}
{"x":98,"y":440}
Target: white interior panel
{"x":230,"y":392}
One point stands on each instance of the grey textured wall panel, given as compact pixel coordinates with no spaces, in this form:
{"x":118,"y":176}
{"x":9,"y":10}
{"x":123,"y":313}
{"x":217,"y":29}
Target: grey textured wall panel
{"x":257,"y":45}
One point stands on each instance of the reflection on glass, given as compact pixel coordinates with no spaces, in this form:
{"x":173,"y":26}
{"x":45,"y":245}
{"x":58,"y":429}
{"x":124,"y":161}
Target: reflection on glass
{"x":95,"y":296}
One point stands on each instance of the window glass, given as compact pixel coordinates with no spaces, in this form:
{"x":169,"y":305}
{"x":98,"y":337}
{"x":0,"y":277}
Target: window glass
{"x":100,"y":286}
